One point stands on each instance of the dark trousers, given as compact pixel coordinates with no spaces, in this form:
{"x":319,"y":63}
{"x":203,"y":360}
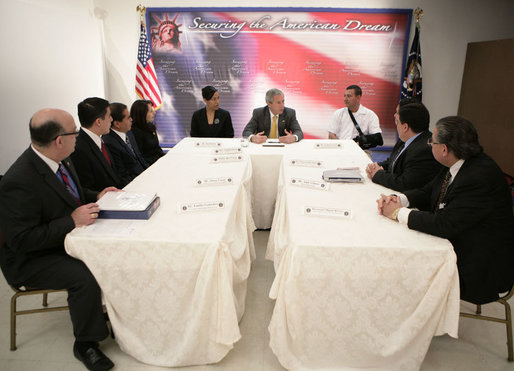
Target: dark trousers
{"x":84,"y":295}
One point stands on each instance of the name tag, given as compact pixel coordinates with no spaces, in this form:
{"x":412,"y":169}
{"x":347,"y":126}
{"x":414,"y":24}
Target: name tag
{"x":327,"y":145}
{"x":306,"y":163}
{"x":209,"y":182}
{"x":226,"y":158}
{"x":188,"y":207}
{"x":327,"y":211}
{"x":309,"y":183}
{"x":208,"y":144}
{"x":226,"y":151}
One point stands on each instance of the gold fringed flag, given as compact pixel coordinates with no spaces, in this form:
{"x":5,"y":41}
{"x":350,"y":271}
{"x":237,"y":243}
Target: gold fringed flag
{"x":412,"y":81}
{"x":147,"y":86}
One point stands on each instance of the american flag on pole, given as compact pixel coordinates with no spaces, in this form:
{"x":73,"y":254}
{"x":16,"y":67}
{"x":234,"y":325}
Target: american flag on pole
{"x":147,"y":86}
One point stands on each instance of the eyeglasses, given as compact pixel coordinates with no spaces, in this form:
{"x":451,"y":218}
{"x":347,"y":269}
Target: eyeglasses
{"x":430,"y":141}
{"x":64,"y":134}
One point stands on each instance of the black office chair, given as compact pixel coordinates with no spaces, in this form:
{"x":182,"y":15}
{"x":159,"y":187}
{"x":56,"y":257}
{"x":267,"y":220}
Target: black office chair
{"x":507,"y":320}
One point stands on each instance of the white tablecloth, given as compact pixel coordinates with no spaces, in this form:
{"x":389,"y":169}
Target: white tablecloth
{"x":357,"y":293}
{"x":265,"y":164}
{"x":175,"y":285}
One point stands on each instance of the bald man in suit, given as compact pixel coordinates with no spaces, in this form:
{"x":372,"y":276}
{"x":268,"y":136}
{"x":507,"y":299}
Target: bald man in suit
{"x":41,"y":200}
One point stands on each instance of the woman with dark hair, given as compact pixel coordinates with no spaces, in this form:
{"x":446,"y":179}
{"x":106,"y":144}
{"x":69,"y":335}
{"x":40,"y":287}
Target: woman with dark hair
{"x":142,"y":114}
{"x":211,"y":121}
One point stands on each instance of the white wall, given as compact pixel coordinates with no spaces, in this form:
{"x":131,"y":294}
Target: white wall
{"x":50,"y":58}
{"x":58,"y":51}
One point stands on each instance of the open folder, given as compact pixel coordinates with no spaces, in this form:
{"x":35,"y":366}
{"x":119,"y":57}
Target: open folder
{"x":128,"y":205}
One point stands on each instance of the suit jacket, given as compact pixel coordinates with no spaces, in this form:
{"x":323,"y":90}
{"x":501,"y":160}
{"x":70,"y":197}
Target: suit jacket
{"x":221,"y":128}
{"x":148,"y":144}
{"x":92,"y":168}
{"x":477,"y":219}
{"x":415,"y":167}
{"x":35,"y":215}
{"x":127,"y":164}
{"x":261,"y":121}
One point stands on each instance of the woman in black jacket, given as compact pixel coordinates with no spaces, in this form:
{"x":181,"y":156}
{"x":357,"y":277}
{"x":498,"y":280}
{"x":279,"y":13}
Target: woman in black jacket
{"x":142,"y":114}
{"x":211,"y":121}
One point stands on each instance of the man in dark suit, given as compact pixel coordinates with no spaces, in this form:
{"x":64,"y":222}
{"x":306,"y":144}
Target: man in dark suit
{"x":469,"y":203}
{"x":273,"y":121}
{"x":41,"y":200}
{"x":122,"y":145}
{"x":411,"y":164}
{"x":91,"y":158}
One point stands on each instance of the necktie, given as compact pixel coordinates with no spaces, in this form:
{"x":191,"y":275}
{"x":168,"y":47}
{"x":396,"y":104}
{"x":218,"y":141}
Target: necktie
{"x":395,"y":156}
{"x":273,"y":131}
{"x":63,"y":173}
{"x":444,"y":188}
{"x":129,"y":145}
{"x":106,"y":155}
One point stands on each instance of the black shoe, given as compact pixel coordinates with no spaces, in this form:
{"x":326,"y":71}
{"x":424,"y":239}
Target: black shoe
{"x":93,"y":358}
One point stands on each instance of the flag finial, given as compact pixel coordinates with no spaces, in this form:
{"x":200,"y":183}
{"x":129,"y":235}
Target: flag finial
{"x":141,"y":9}
{"x":418,"y":13}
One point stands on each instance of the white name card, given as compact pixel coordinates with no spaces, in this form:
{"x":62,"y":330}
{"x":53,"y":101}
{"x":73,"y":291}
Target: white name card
{"x":327,"y":145}
{"x":226,"y":158}
{"x":209,"y":182}
{"x":327,"y":211}
{"x":208,"y":144}
{"x":226,"y":151}
{"x":309,"y":183}
{"x":200,"y":206}
{"x":306,"y":163}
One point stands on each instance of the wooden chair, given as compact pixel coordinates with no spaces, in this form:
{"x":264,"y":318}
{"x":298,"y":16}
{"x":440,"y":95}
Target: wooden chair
{"x":507,"y":320}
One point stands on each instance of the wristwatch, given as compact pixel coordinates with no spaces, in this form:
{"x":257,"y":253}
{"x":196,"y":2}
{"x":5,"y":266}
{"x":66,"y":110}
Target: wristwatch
{"x":394,"y":215}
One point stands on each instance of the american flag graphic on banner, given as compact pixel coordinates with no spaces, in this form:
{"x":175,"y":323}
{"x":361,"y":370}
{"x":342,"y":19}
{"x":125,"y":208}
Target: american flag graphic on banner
{"x":147,"y":86}
{"x":312,"y":55}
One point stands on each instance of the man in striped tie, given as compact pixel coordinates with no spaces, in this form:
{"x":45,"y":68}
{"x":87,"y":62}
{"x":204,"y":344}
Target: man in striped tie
{"x":470,"y":204}
{"x":274,"y":121}
{"x":41,"y":200}
{"x":122,"y":145}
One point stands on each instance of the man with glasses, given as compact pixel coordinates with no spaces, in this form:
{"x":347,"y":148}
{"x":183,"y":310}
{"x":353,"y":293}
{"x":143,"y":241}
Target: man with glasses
{"x":41,"y":200}
{"x":92,"y":159}
{"x":411,"y":164}
{"x":470,"y":204}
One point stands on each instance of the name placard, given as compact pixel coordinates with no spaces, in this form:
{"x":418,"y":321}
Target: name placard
{"x":226,"y":158}
{"x":218,"y":181}
{"x":327,"y":211}
{"x":328,"y":145}
{"x":188,"y":207}
{"x":208,"y":144}
{"x":306,"y":163}
{"x":309,"y":183}
{"x":226,"y":151}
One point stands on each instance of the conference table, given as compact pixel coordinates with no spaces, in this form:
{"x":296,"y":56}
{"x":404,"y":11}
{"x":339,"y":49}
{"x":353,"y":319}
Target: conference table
{"x":353,"y":289}
{"x":175,"y":285}
{"x":265,"y":169}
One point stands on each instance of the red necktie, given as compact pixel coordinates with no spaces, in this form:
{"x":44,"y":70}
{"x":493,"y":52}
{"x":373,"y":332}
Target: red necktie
{"x":106,"y":155}
{"x":64,"y":176}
